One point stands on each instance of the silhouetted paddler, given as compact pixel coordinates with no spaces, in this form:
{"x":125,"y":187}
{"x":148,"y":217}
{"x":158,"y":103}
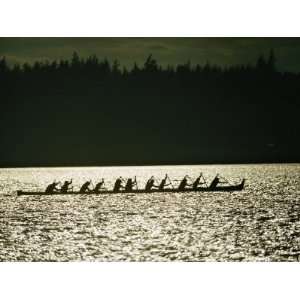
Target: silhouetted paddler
{"x":65,"y":186}
{"x":214,"y":183}
{"x":99,"y":185}
{"x":149,"y":184}
{"x":196,"y":182}
{"x":118,"y":184}
{"x":51,"y":188}
{"x":163,"y":183}
{"x":129,"y":184}
{"x":182,"y":184}
{"x":85,"y":187}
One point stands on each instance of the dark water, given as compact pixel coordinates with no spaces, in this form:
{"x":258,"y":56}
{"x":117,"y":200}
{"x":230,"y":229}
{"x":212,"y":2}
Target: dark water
{"x":261,"y":223}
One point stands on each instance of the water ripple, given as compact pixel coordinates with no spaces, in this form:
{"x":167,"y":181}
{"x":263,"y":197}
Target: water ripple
{"x":261,"y":223}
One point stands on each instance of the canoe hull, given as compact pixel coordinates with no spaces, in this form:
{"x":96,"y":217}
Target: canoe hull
{"x":231,"y":188}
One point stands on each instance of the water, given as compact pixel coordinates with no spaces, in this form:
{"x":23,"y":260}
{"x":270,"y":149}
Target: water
{"x":261,"y":223}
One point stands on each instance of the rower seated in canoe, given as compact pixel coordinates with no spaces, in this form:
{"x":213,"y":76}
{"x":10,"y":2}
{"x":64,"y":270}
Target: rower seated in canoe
{"x":215,"y":182}
{"x":130,"y":184}
{"x":149,"y":184}
{"x":183,"y":183}
{"x":99,"y":186}
{"x":195,"y":185}
{"x":164,"y":183}
{"x":118,"y":184}
{"x":52,"y":187}
{"x":65,"y":187}
{"x":85,"y":187}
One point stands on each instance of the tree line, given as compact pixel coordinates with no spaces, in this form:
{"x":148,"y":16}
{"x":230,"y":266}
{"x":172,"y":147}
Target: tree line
{"x":87,"y":111}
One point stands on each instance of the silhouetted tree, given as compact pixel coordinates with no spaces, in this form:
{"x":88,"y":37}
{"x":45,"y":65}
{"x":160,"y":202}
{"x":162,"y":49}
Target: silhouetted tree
{"x":75,"y":62}
{"x":89,"y":111}
{"x":271,"y":61}
{"x":261,"y":63}
{"x":26,"y":68}
{"x":3,"y":65}
{"x":150,"y":64}
{"x":135,"y":69}
{"x":116,"y":69}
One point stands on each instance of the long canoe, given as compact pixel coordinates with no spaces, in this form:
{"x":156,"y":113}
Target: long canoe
{"x":224,"y":188}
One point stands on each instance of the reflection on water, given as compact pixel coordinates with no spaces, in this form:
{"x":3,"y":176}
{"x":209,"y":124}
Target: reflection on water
{"x":261,"y":223}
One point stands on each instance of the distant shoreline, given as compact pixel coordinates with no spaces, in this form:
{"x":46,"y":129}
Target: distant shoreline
{"x":148,"y":165}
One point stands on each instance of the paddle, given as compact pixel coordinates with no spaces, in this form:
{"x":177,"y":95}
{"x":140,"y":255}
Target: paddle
{"x":224,"y":180}
{"x":136,"y":183}
{"x":170,"y":181}
{"x":93,"y":187}
{"x":71,"y":187}
{"x":201,"y":176}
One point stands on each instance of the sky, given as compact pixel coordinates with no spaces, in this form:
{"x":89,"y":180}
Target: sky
{"x":219,"y":51}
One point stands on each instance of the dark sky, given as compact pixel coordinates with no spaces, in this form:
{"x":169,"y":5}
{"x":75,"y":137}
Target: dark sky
{"x":221,"y":51}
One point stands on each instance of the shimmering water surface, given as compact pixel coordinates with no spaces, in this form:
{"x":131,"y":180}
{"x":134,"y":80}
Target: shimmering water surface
{"x":261,"y":223}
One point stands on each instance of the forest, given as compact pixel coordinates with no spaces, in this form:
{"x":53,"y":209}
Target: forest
{"x":90,"y":111}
